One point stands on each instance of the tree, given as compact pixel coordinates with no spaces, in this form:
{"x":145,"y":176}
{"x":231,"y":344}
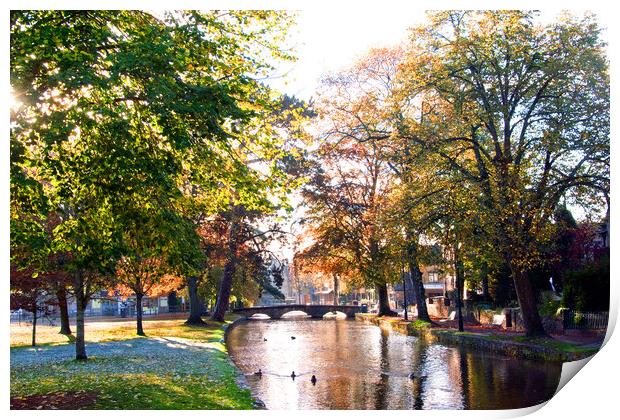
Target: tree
{"x":29,"y":293}
{"x":519,"y":110}
{"x":321,"y":257}
{"x":123,"y":104}
{"x":412,"y":212}
{"x":245,"y":247}
{"x":154,"y":246}
{"x":361,"y":108}
{"x":587,"y":288}
{"x":562,"y":243}
{"x":262,"y":191}
{"x":344,"y":197}
{"x":585,"y":275}
{"x":31,"y":241}
{"x":453,"y":224}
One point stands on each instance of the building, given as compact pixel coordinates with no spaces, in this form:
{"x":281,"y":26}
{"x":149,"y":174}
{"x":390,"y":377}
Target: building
{"x":601,"y":239}
{"x":323,"y":296}
{"x":104,"y":305}
{"x":436,"y":283}
{"x":359,"y":296}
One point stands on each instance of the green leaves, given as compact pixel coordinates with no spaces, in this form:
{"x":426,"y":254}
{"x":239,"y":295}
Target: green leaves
{"x":133,"y":125}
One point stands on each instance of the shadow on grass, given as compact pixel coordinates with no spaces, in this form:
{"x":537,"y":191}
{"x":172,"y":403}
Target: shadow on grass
{"x":141,"y":373}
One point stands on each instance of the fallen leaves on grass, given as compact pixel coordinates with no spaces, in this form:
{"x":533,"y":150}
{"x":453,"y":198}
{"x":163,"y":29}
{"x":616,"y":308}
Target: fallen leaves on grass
{"x":54,"y":401}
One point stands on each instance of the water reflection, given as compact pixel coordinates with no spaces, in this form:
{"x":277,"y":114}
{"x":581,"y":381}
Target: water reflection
{"x":360,"y":366}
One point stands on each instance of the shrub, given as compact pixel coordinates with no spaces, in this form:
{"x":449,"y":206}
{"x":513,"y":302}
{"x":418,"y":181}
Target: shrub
{"x":587,"y":289}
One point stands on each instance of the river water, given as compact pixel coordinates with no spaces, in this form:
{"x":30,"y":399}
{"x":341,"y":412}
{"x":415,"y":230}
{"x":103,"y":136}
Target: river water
{"x":360,"y":366}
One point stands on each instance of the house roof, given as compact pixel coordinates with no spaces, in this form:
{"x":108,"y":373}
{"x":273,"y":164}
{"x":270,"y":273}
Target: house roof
{"x":323,"y":292}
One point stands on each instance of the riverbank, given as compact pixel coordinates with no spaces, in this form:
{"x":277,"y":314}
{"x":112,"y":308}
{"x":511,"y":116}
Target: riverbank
{"x":174,"y":367}
{"x":242,"y":382}
{"x":514,"y":345}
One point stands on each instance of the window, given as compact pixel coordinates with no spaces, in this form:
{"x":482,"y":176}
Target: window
{"x":433,"y":277}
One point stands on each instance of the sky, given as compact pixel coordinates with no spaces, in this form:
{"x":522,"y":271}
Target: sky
{"x":327,"y":42}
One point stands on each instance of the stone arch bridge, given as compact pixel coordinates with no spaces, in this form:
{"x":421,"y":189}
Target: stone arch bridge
{"x":315,"y":311}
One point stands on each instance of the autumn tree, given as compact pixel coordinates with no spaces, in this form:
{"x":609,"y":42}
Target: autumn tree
{"x":362,"y":108}
{"x":322,"y":257}
{"x":30,"y":292}
{"x":144,"y":277}
{"x":155,"y":244}
{"x":344,"y":197}
{"x":518,"y":109}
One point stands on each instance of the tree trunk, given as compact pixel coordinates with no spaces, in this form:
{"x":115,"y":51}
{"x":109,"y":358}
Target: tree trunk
{"x":458,"y":269}
{"x":80,"y":344}
{"x":139,"y":329}
{"x":223,"y":295}
{"x":501,"y":288}
{"x":527,"y":301}
{"x":416,"y":278}
{"x":384,"y":300}
{"x":173,"y":301}
{"x":336,"y":288}
{"x":485,"y":282}
{"x":34,"y":326}
{"x":195,"y":306}
{"x":61,"y":296}
{"x":376,"y":278}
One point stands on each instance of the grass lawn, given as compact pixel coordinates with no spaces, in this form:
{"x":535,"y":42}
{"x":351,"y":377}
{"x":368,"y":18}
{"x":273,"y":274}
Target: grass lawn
{"x":553,"y":343}
{"x":174,"y":367}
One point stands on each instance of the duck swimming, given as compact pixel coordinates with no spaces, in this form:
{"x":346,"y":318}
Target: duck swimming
{"x":292,"y":337}
{"x":313,"y":380}
{"x":259,"y":373}
{"x":293,"y":375}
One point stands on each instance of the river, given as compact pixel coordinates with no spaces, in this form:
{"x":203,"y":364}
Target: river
{"x":360,"y":366}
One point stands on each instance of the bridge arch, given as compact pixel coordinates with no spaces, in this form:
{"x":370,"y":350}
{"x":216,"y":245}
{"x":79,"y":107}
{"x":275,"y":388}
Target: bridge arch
{"x":259,"y":316}
{"x":295,"y":313}
{"x":334,"y":315}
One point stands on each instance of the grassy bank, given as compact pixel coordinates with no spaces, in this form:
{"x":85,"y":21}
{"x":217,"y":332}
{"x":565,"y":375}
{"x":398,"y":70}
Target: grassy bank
{"x":515,"y":345}
{"x":174,"y":367}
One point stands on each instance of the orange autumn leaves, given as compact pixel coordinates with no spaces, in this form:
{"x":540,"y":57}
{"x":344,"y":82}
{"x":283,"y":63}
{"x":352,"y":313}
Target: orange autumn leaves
{"x":147,"y":276}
